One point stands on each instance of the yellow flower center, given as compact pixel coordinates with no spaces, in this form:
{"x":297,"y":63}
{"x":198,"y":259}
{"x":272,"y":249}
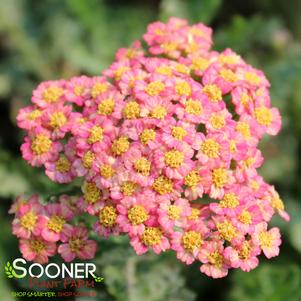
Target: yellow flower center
{"x":29,"y":220}
{"x":91,"y":193}
{"x":88,"y":159}
{"x":128,"y":188}
{"x":195,"y":213}
{"x":217,"y":121}
{"x":216,"y":259}
{"x":245,"y":217}
{"x":147,"y":135}
{"x":163,"y":185}
{"x":76,"y":244}
{"x":210,"y":148}
{"x":183,"y":88}
{"x":244,"y":129}
{"x":56,"y":223}
{"x":219,"y":177}
{"x":158,"y":112}
{"x":57,"y":120}
{"x":41,"y":144}
{"x":191,"y":240}
{"x":244,"y":99}
{"x":142,"y":166}
{"x":33,"y":115}
{"x":265,"y":239}
{"x":78,"y":90}
{"x":96,"y":134}
{"x":119,"y":72}
{"x":130,"y":53}
{"x":226,"y":230}
{"x":108,"y":216}
{"x":263,"y":116}
{"x":154,"y":88}
{"x":174,"y":212}
{"x":192,"y":179}
{"x":254,"y":185}
{"x":131,"y":110}
{"x":245,"y":251}
{"x":213,"y":92}
{"x":182,"y":69}
{"x":249,"y":162}
{"x":199,"y":63}
{"x":252,"y":78}
{"x":228,"y":59}
{"x":106,"y":107}
{"x":229,"y":201}
{"x":137,"y":215}
{"x":233,"y":147}
{"x":120,"y":146}
{"x":173,"y":158}
{"x":178,"y":132}
{"x":151,"y":236}
{"x":169,"y":46}
{"x":107,"y":171}
{"x":98,"y":89}
{"x":277,"y":203}
{"x":37,"y":246}
{"x":197,"y":32}
{"x":193,"y":107}
{"x":52,"y":94}
{"x":228,"y":75}
{"x":165,"y":70}
{"x":62,"y":164}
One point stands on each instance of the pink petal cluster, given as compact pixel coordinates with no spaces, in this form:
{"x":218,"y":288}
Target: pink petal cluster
{"x":45,"y":230}
{"x":166,"y":144}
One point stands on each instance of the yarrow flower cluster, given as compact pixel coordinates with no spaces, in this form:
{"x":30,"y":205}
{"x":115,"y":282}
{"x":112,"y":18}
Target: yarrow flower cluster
{"x":166,"y":144}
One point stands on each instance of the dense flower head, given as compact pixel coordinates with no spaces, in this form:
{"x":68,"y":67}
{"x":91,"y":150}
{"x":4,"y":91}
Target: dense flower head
{"x":166,"y":145}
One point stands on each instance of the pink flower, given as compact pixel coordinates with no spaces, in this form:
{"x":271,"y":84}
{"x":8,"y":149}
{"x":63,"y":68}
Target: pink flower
{"x":151,"y":238}
{"x":212,"y":257}
{"x":269,"y":241}
{"x":57,"y":119}
{"x":29,"y":117}
{"x":38,"y":147}
{"x":135,"y":213}
{"x":166,"y":146}
{"x":172,"y":214}
{"x":243,"y":255}
{"x":213,"y":149}
{"x":189,"y":243}
{"x":55,"y":221}
{"x":175,"y":162}
{"x":76,"y":244}
{"x":22,"y":200}
{"x":268,"y":120}
{"x":277,"y":203}
{"x":107,"y":220}
{"x":28,"y":220}
{"x":37,"y":249}
{"x":95,"y":135}
{"x":77,"y":89}
{"x":61,"y":170}
{"x":48,"y":93}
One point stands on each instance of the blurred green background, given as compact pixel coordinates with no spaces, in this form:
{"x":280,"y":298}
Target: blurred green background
{"x":50,"y":39}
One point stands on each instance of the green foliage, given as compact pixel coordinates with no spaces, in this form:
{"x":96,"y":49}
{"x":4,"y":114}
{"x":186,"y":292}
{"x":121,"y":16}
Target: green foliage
{"x":194,"y":10}
{"x":270,"y":282}
{"x":149,"y":277}
{"x":50,"y":39}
